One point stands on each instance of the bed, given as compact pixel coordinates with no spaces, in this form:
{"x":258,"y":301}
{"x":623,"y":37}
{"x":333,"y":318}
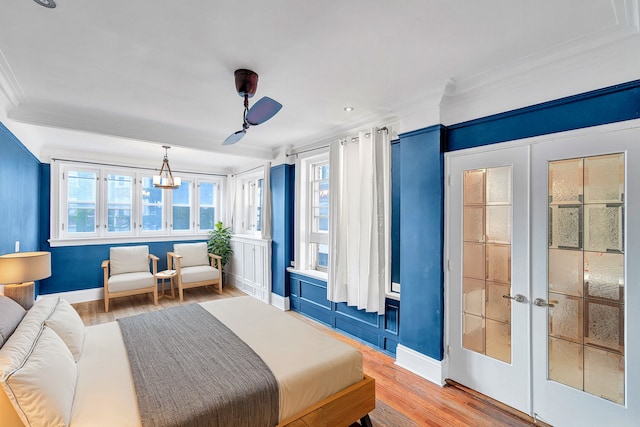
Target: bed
{"x":55,"y":371}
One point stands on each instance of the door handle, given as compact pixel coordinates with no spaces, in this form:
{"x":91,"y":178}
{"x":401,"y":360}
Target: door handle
{"x":540,"y":302}
{"x":516,"y":297}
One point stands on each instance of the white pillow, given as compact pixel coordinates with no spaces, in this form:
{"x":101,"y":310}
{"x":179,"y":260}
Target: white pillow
{"x":11,"y":313}
{"x":128,"y":259}
{"x":42,"y":388}
{"x":66,"y":322}
{"x":192,"y":253}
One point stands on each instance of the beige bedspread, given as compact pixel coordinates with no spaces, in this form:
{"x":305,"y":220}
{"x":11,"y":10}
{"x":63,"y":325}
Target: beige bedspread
{"x":308,"y":365}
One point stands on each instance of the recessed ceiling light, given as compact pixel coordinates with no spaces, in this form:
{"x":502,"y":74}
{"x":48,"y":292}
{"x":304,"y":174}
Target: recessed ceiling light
{"x":347,"y":109}
{"x":46,"y":3}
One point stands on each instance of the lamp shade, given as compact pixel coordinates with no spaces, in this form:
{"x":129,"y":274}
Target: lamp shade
{"x":20,"y":267}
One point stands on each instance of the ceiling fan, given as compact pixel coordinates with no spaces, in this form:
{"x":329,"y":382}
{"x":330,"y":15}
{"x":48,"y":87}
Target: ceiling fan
{"x":260,"y":112}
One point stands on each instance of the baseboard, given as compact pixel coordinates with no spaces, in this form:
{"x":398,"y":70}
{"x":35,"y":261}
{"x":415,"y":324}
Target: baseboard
{"x":428,"y":368}
{"x":83,"y":295}
{"x":280,"y":302}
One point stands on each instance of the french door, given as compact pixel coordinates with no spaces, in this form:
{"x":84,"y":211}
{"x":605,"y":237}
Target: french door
{"x":543,"y":244}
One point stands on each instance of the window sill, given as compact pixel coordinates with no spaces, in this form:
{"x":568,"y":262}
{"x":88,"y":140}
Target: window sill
{"x":54,"y":243}
{"x":310,"y":273}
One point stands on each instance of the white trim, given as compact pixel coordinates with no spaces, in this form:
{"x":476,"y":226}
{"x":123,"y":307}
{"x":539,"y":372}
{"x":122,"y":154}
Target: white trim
{"x":82,"y":295}
{"x":280,"y":302}
{"x":424,"y":366}
{"x":54,"y":243}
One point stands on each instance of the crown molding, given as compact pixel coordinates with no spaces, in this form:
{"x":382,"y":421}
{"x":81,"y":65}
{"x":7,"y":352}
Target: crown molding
{"x":10,"y":88}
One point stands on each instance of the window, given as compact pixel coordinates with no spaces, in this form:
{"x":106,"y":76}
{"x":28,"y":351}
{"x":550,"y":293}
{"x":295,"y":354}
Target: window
{"x":251,"y":208}
{"x":313,"y":173}
{"x":312,"y":212}
{"x":152,"y":218}
{"x":119,"y":203}
{"x":207,"y":202}
{"x":181,"y":207}
{"x":82,"y":202}
{"x":319,"y":236}
{"x":93,"y":202}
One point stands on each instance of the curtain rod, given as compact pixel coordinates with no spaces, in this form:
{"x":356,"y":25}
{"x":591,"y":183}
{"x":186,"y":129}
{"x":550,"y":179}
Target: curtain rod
{"x":132,"y":167}
{"x":248,"y":170}
{"x":343,"y":140}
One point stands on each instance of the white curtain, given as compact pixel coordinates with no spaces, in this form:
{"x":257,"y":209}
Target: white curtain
{"x":359,"y":231}
{"x":230,"y":208}
{"x":266,"y":202}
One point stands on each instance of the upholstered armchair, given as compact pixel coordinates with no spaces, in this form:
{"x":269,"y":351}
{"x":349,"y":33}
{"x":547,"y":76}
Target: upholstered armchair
{"x":195,"y":266}
{"x":126,"y":272}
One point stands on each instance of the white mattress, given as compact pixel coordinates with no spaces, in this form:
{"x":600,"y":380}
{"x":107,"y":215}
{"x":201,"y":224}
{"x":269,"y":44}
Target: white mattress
{"x":308,"y":365}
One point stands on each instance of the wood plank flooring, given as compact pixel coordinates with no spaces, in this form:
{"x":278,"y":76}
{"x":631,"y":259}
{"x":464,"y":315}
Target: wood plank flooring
{"x":403,"y":398}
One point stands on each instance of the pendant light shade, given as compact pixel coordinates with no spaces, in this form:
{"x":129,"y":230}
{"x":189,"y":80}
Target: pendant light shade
{"x":166,"y":179}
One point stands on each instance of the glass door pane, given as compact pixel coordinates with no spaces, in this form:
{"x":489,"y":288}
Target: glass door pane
{"x":486,"y":264}
{"x":586,"y":274}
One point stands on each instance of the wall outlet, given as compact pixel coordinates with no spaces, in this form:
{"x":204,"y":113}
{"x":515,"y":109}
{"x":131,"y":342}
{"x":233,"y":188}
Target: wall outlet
{"x":17,"y":245}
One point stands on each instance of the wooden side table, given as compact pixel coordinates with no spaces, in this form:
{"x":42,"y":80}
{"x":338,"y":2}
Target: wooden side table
{"x":162,"y":276}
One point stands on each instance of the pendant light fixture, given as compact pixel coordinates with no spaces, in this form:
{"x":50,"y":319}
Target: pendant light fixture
{"x":165,"y":178}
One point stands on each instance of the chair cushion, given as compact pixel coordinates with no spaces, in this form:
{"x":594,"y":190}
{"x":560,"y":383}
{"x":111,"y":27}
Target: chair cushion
{"x":128,"y":259}
{"x":66,"y":322}
{"x":198,"y":273}
{"x":131,"y":281}
{"x":192,"y":253}
{"x":11,"y":313}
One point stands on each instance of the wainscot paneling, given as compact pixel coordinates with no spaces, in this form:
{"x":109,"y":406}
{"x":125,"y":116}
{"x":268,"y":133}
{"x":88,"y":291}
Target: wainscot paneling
{"x":249,"y":266}
{"x":309,"y":296}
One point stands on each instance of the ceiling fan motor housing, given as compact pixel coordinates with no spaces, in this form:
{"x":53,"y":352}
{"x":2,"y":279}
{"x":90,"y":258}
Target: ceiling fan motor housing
{"x":246,"y":82}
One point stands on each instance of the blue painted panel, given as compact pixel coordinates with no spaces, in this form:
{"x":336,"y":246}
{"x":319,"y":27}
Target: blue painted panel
{"x":316,"y":312}
{"x":369,"y":335}
{"x":357,"y":315}
{"x":19,"y":195}
{"x":367,"y":327}
{"x":390,"y":345}
{"x":282,"y":190}
{"x":392,"y":319}
{"x":608,"y":105}
{"x":314,"y":293}
{"x":421,"y":241}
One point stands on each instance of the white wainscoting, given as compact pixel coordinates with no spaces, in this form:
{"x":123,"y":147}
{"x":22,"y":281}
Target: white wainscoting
{"x":250,"y":267}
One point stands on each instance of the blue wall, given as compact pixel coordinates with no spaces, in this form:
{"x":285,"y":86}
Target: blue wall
{"x":608,"y":105}
{"x":282,"y":203}
{"x":19,"y":195}
{"x":421,"y":240}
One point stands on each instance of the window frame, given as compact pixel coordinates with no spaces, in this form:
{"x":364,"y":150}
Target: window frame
{"x":60,"y":236}
{"x":304,"y":236}
{"x":250,"y":206}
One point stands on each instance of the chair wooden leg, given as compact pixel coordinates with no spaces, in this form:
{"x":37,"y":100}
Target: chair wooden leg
{"x":219,"y":287}
{"x":106,"y":303}
{"x":155,"y":293}
{"x":181,"y":292}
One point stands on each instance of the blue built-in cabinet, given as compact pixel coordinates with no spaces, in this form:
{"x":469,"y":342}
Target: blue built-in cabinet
{"x":308,"y":296}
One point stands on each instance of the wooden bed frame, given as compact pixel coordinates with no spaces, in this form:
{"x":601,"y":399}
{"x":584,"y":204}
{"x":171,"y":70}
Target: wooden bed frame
{"x":339,"y":410}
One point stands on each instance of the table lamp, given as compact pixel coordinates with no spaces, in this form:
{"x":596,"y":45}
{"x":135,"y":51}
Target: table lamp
{"x":19,"y":270}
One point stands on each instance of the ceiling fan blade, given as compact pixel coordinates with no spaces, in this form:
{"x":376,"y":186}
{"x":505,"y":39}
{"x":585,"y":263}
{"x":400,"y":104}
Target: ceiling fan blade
{"x":234,"y":137}
{"x":262,"y":111}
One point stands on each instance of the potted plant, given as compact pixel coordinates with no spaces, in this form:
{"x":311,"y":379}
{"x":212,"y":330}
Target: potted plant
{"x":220,"y":242}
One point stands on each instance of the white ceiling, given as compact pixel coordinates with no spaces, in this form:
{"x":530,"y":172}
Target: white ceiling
{"x":117,"y":79}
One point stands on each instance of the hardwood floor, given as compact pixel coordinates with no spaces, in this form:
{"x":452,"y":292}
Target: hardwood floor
{"x":403,"y":398}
